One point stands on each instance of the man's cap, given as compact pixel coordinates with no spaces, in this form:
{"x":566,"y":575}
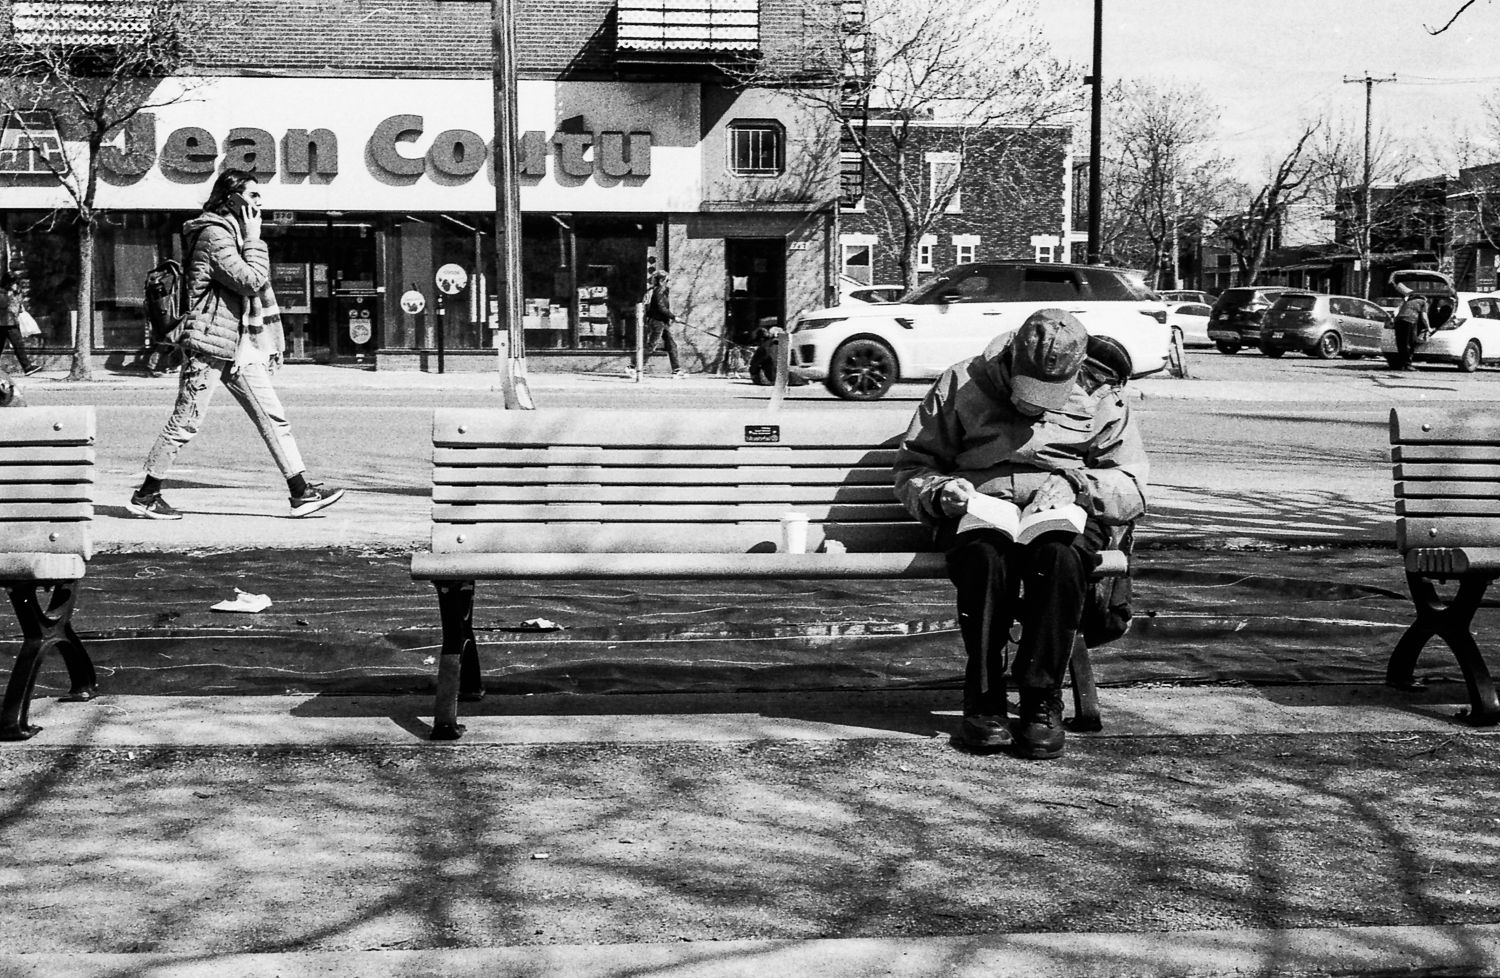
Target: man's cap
{"x":1046,"y":354}
{"x":658,"y":275}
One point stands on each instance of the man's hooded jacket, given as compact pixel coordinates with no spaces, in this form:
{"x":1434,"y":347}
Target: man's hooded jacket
{"x":967,"y":428}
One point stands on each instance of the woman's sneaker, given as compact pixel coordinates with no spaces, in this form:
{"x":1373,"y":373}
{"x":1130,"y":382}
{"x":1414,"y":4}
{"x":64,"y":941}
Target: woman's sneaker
{"x":314,"y":498}
{"x":33,"y":369}
{"x":152,"y":506}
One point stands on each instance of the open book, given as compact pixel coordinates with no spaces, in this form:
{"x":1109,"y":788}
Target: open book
{"x":1021,"y":525}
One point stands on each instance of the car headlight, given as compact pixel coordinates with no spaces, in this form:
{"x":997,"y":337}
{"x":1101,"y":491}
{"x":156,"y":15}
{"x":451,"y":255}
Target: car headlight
{"x":807,"y":324}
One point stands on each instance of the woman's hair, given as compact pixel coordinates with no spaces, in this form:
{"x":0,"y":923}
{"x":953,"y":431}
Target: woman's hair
{"x":229,"y":183}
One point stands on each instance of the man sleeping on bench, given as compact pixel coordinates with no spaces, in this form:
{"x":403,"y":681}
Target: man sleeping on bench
{"x":1037,"y":419}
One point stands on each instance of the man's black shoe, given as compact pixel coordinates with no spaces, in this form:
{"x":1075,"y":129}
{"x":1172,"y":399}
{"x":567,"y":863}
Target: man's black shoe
{"x":1039,"y":731}
{"x":985,"y":733}
{"x":33,"y":369}
{"x":151,"y":506}
{"x":313,"y":499}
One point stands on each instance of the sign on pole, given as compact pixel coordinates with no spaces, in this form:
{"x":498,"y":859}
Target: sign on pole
{"x":451,"y":279}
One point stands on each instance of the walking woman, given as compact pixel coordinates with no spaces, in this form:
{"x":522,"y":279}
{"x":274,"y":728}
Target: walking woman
{"x":233,"y":337}
{"x":12,"y":304}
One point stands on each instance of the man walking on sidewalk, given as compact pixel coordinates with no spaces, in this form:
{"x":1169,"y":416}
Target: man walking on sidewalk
{"x":232,"y":336}
{"x":1037,"y":420}
{"x":659,"y":320}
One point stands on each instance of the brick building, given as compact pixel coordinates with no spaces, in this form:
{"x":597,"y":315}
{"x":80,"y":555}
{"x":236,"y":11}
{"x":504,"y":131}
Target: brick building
{"x":371,"y":123}
{"x":1014,"y":201}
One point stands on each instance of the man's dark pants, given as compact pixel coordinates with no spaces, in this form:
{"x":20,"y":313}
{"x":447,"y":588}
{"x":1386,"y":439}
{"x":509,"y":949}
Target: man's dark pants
{"x":1406,"y":331}
{"x":659,"y":331}
{"x":990,"y":574}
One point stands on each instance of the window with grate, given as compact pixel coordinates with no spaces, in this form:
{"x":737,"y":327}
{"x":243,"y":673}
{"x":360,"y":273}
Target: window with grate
{"x":687,"y":25}
{"x":757,"y":148}
{"x":83,"y":23}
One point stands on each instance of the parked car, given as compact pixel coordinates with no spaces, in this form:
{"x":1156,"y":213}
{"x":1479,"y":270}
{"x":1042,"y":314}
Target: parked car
{"x":873,"y":293}
{"x":1465,"y":338}
{"x":858,"y":350}
{"x":1325,"y":326}
{"x":1186,"y":295}
{"x":1191,"y":320}
{"x":1237,"y":314}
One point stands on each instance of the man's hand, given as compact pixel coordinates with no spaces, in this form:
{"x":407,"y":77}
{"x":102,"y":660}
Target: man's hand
{"x":955,"y":495}
{"x":1055,"y":492}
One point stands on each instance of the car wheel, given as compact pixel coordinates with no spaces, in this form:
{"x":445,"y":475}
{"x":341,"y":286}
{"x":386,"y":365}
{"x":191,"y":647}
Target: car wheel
{"x":862,"y":370}
{"x":1469,"y":362}
{"x":1229,"y":348}
{"x":1330,"y":344}
{"x":1274,"y":352}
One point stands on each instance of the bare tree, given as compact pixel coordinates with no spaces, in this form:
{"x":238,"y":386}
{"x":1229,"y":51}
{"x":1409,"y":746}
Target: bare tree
{"x":1290,"y":179}
{"x":1161,"y":168}
{"x":905,"y":77}
{"x":1451,"y":20}
{"x":1337,"y":158}
{"x":92,"y":79}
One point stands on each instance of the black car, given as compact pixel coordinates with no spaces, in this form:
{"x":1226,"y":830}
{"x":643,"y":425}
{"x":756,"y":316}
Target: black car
{"x":1236,"y":318}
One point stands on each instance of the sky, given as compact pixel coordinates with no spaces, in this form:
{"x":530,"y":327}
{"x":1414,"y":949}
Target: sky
{"x":1269,"y":64}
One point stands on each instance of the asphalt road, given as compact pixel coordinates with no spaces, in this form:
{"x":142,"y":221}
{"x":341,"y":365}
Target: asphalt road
{"x":1245,"y":447}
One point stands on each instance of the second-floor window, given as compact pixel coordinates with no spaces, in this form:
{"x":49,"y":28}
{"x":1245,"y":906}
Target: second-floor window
{"x":942,"y":169}
{"x":757,"y":148}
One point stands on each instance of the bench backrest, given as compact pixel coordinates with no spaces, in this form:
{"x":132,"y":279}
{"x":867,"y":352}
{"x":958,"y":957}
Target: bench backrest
{"x":602,"y":481}
{"x":1447,"y":477}
{"x":46,"y":480}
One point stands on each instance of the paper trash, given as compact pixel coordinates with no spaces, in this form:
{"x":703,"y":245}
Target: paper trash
{"x":244,"y":601}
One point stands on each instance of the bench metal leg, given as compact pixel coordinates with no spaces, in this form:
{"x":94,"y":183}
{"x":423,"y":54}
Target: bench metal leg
{"x":1085,"y":717}
{"x":43,"y":631}
{"x":458,"y":666}
{"x":1451,"y":623}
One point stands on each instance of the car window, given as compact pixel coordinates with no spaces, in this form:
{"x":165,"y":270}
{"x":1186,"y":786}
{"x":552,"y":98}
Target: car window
{"x":1340,"y":306}
{"x":1480,"y":307}
{"x":1114,"y":285}
{"x":1050,"y":285}
{"x":1193,"y":309}
{"x":1298,"y":303}
{"x":1372,"y":311}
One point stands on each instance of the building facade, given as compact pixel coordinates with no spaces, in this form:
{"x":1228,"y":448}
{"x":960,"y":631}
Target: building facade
{"x":1013,"y":201}
{"x":371,"y":126}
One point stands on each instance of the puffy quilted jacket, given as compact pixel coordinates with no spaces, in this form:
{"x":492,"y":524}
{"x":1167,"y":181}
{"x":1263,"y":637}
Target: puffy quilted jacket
{"x":222,"y":274}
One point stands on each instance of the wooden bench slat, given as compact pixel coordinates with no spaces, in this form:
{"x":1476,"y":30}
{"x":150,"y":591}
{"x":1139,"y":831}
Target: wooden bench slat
{"x":48,"y":426}
{"x":834,"y":428}
{"x":1476,"y":471}
{"x":667,"y":537}
{"x":51,"y":538}
{"x":34,"y":567}
{"x":46,"y":474}
{"x":1447,"y":531}
{"x":1448,"y":507}
{"x":56,"y":492}
{"x":45,"y":454}
{"x":51,"y":511}
{"x":666,"y":458}
{"x":788,"y":496}
{"x":1416,"y":426}
{"x":1445,"y":489}
{"x":742,"y":512}
{"x":603,"y":476}
{"x":573,"y":566}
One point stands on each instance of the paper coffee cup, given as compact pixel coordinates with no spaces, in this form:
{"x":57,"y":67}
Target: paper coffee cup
{"x":794,"y":533}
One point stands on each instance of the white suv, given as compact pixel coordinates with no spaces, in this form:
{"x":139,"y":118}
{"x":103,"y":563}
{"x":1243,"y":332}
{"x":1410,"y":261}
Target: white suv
{"x":859,"y":350}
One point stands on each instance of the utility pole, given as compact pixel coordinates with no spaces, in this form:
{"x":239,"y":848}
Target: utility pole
{"x":1096,"y":114}
{"x":512,"y":335}
{"x":1364,"y":208}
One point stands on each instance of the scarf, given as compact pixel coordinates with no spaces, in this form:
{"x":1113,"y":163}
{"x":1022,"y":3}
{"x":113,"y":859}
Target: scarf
{"x":262,"y":337}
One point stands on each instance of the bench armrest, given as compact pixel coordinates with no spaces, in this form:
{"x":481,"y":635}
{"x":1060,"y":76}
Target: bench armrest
{"x":41,"y":567}
{"x":1452,"y":561}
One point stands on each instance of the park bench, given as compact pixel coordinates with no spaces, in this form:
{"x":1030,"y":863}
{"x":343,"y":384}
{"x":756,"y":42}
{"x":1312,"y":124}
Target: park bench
{"x":1447,"y":487}
{"x":46,"y":503}
{"x":596,"y":494}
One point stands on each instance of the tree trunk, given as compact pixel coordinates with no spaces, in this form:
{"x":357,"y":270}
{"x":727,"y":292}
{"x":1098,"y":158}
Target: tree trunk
{"x":909,"y":271}
{"x":83,"y":341}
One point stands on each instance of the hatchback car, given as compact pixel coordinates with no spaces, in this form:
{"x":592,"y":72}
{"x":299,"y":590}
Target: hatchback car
{"x":1466,"y":338}
{"x":858,"y":350}
{"x":1190,"y":320}
{"x":1235,"y":323}
{"x":1324,"y":326}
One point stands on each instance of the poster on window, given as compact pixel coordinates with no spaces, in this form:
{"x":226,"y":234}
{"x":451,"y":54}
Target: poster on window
{"x":292,"y":282}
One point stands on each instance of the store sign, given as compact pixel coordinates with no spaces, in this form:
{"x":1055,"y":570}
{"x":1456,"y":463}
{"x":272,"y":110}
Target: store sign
{"x":360,"y":329}
{"x":413,"y":302}
{"x":30,"y":144}
{"x":292,"y":283}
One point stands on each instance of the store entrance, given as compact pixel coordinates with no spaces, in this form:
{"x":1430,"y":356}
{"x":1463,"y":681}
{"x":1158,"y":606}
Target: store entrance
{"x":756,"y":269}
{"x":326,"y":282}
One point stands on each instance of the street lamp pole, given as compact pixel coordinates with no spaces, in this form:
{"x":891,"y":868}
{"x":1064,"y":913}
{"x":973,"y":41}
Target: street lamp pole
{"x":1096,"y":113}
{"x":511,"y":334}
